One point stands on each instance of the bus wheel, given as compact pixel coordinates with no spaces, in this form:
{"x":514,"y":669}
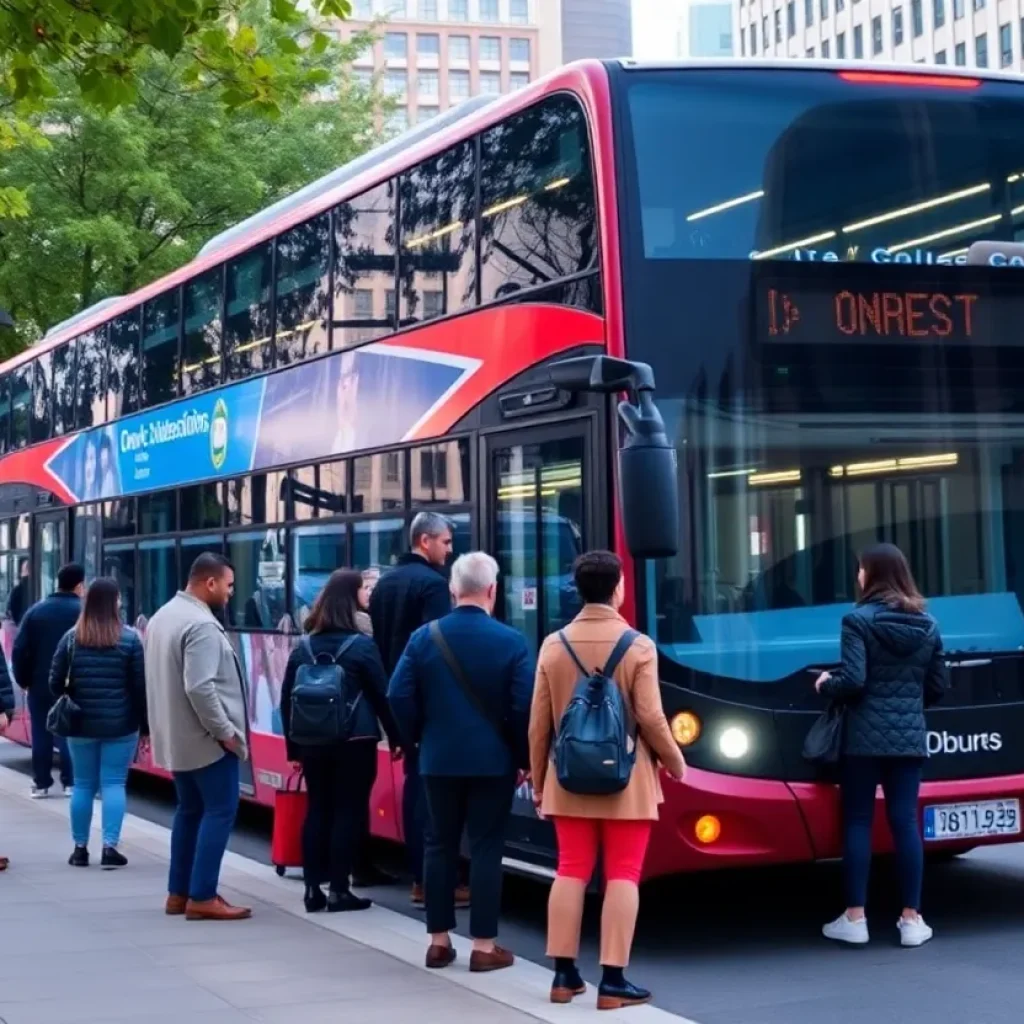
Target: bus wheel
{"x":280,"y":869}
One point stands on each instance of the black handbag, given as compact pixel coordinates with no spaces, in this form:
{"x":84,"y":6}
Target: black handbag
{"x":65,"y":715}
{"x":824,"y":742}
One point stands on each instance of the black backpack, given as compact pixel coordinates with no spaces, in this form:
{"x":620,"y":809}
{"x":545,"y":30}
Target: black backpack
{"x":595,"y":746}
{"x":322,"y":707}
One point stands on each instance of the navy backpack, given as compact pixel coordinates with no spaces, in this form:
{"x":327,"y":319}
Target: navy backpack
{"x":595,"y":746}
{"x":323,"y":709}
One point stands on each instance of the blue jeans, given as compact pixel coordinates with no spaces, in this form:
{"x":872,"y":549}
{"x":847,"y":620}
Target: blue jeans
{"x":207,"y":805}
{"x":39,"y":704}
{"x":900,"y":778}
{"x":100,"y":765}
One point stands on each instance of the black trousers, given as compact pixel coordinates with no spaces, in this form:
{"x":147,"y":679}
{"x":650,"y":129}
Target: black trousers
{"x":339,"y":783}
{"x":482,"y":807}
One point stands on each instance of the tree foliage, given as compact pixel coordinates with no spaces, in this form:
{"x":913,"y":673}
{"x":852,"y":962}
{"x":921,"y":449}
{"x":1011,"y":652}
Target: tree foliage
{"x":118,"y":198}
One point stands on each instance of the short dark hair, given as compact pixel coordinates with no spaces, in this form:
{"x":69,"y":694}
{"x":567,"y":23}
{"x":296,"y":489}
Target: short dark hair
{"x":208,"y":564}
{"x":334,"y":610}
{"x":597,"y":574}
{"x":70,"y":576}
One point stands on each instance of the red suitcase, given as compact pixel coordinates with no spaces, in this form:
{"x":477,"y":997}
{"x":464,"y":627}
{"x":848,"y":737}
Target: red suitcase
{"x":289,"y":816}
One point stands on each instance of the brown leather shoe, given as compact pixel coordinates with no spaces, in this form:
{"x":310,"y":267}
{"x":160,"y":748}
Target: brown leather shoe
{"x":496,"y":961}
{"x":462,"y":897}
{"x":217,"y":909}
{"x":175,"y":905}
{"x":439,"y":957}
{"x":417,"y":897}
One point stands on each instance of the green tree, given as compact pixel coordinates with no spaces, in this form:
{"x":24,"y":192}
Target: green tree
{"x":118,"y":199}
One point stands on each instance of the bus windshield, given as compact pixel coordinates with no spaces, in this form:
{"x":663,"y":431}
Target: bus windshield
{"x":833,"y":371}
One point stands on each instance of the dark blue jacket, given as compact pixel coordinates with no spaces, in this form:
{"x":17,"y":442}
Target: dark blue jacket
{"x":363,"y":668}
{"x":6,"y":689}
{"x":892,"y":669}
{"x":405,"y":598}
{"x":433,"y":712}
{"x":107,"y":683}
{"x":42,"y":629}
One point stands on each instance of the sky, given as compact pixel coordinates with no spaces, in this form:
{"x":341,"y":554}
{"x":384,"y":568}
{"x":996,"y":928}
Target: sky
{"x":654,"y":27}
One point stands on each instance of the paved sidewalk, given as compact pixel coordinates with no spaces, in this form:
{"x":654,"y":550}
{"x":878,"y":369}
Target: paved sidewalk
{"x":79,"y":946}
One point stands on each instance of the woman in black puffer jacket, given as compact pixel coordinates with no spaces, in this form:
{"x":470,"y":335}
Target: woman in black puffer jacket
{"x":892,"y":669}
{"x":100,"y":663}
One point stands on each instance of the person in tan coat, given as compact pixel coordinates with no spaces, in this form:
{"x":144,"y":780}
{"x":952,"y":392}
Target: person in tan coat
{"x":620,"y":823}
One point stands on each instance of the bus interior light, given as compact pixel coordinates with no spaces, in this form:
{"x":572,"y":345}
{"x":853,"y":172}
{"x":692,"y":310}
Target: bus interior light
{"x":785,"y":476}
{"x":800,"y":243}
{"x":686,"y":728}
{"x":909,"y":79}
{"x":707,"y":829}
{"x":506,"y":205}
{"x":723,"y":474}
{"x":728,"y":204}
{"x":956,"y":229}
{"x":927,"y":204}
{"x":902,"y":465}
{"x":558,"y":183}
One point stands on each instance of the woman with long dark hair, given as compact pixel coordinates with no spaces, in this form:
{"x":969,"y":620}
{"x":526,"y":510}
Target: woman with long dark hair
{"x":340,"y":775}
{"x":892,"y":669}
{"x":100,"y":664}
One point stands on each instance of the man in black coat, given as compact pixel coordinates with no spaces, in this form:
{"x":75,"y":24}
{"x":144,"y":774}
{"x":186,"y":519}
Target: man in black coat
{"x":412,"y":594}
{"x":42,"y":628}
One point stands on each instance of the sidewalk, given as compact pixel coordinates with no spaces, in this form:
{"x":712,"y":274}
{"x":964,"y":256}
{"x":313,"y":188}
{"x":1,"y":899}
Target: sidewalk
{"x":94,"y":946}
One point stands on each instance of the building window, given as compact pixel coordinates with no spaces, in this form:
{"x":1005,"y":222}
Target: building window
{"x":858,"y":41}
{"x":1005,"y":45}
{"x":398,"y":120}
{"x":519,"y":12}
{"x":518,"y":80}
{"x":378,"y":483}
{"x":791,"y":19}
{"x":825,"y":49}
{"x":960,"y":55}
{"x":809,"y":53}
{"x":824,"y":8}
{"x":458,"y":48}
{"x":778,"y":28}
{"x":753,"y":40}
{"x":940,"y":57}
{"x":840,"y":5}
{"x":958,"y":9}
{"x":897,"y":26}
{"x":426,"y":112}
{"x":428,"y":45}
{"x":458,"y":10}
{"x":428,"y":10}
{"x":490,"y":83}
{"x":458,"y":86}
{"x":764,"y":33}
{"x":981,"y":50}
{"x":489,"y":10}
{"x":841,"y":45}
{"x":363,"y":9}
{"x":362,"y":303}
{"x":917,"y":18}
{"x":978,"y":5}
{"x":428,"y":83}
{"x":876,"y":35}
{"x":160,"y":350}
{"x":939,"y":12}
{"x":396,"y":84}
{"x":808,"y":13}
{"x":396,"y":46}
{"x":519,"y":50}
{"x":490,"y":48}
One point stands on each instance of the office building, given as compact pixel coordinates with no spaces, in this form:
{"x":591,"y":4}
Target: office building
{"x":966,"y":33}
{"x":706,"y":30}
{"x":595,"y":28}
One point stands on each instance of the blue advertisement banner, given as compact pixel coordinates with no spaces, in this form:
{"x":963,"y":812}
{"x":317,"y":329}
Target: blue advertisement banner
{"x":349,"y":401}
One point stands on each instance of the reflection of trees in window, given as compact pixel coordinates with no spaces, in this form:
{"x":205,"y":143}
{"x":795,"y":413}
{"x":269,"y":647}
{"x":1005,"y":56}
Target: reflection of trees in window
{"x":438,"y":255}
{"x":160,"y":349}
{"x":259,"y":498}
{"x":64,"y":389}
{"x":90,"y":383}
{"x":42,"y":398}
{"x":247,"y":330}
{"x":538,"y":218}
{"x":302,"y":290}
{"x":440,"y":474}
{"x":21,"y":401}
{"x":5,"y":414}
{"x":200,"y":507}
{"x":201,"y":347}
{"x":364,"y":267}
{"x":123,"y":376}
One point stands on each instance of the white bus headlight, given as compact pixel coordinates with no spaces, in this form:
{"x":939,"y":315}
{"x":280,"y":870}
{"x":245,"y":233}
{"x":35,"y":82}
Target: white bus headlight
{"x":734,"y":743}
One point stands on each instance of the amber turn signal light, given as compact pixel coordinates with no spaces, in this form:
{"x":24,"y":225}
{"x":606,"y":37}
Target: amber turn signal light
{"x":708,"y":829}
{"x":685,"y":728}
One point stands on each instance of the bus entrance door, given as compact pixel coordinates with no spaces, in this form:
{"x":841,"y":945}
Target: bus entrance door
{"x":49,"y":551}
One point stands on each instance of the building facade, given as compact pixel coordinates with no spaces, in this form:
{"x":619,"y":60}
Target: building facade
{"x":432,"y":54}
{"x":966,"y":33}
{"x":595,"y":28}
{"x":706,"y":30}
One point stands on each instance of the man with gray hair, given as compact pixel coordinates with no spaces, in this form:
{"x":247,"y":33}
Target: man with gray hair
{"x":410,"y":595}
{"x":461,"y":693}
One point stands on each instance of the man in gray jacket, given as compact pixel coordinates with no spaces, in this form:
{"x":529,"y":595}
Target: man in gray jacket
{"x":199,"y":729}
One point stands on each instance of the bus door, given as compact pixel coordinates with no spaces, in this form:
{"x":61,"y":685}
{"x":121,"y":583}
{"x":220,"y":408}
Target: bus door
{"x":49,"y":551}
{"x":541,"y":509}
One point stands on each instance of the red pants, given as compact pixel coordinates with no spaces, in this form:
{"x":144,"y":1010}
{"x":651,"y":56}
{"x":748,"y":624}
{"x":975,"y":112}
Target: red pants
{"x":624,"y":844}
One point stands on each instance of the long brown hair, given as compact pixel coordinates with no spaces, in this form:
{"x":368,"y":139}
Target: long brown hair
{"x":888,"y":579}
{"x":99,"y":624}
{"x":335,"y":607}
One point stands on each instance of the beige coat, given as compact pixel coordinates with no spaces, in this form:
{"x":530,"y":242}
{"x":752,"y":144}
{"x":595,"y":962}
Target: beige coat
{"x":593,"y":634}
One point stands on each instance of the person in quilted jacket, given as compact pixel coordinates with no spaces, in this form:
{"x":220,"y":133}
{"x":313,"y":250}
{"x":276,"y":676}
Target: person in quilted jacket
{"x":892,"y":669}
{"x":6,"y":714}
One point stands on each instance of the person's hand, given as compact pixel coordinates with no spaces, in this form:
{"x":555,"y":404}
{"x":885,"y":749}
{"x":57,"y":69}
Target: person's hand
{"x":144,"y":750}
{"x":397,"y":753}
{"x":234,"y":746}
{"x":822,"y":680}
{"x":538,"y":799}
{"x":679,"y":776}
{"x":4,"y":722}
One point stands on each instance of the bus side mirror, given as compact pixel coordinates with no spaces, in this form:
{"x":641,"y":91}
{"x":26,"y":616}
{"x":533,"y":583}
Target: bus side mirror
{"x":648,"y":474}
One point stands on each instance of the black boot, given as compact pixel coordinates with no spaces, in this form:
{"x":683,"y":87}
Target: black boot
{"x":340,"y":902}
{"x":615,"y":991}
{"x":567,"y":982}
{"x":314,"y":899}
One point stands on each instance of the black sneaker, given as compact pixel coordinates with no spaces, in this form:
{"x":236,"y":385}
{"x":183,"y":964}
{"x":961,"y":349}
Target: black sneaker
{"x":340,"y":902}
{"x":615,"y":997}
{"x":79,"y":857}
{"x":112,"y":858}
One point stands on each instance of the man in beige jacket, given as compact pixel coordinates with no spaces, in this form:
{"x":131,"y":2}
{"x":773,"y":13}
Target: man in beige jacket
{"x":620,"y":823}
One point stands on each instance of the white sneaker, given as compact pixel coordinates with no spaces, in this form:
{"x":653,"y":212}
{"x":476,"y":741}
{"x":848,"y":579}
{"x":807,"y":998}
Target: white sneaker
{"x":38,"y":793}
{"x":842,"y":929}
{"x":913,"y":931}
{"x":68,"y":791}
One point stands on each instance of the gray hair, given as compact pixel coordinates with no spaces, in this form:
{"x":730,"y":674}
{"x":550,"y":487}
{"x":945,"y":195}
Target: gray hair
{"x":428,"y":524}
{"x":473,"y":573}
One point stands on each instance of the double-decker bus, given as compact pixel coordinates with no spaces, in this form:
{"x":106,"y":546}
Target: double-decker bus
{"x":783,"y":249}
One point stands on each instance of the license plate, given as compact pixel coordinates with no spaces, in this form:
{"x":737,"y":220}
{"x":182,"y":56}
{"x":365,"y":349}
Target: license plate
{"x":968,"y":821}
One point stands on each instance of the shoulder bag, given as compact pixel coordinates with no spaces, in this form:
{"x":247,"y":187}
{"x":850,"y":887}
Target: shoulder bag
{"x":824,"y":742}
{"x":65,"y":715}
